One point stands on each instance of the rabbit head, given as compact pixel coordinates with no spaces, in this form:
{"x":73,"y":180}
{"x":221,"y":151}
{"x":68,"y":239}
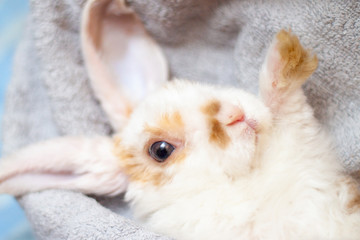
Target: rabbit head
{"x":186,"y":137}
{"x":191,"y":128}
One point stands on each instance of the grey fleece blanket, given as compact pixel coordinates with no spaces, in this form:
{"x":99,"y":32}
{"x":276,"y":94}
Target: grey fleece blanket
{"x":221,"y":42}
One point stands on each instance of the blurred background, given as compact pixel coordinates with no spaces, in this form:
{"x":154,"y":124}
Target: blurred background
{"x":13,"y":15}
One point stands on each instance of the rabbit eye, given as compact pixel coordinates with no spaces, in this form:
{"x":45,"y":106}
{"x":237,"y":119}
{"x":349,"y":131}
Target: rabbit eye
{"x":161,"y":150}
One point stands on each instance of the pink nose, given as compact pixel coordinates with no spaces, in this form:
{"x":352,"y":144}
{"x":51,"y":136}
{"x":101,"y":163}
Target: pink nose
{"x":231,"y":114}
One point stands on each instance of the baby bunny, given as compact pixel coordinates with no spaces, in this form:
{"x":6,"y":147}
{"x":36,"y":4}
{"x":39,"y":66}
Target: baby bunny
{"x":197,"y":161}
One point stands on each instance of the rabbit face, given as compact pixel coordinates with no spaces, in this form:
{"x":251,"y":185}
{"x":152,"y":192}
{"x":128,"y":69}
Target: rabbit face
{"x":186,"y":131}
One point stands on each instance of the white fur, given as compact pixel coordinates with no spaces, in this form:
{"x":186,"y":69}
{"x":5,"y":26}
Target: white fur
{"x":297,"y":191}
{"x":279,"y":181}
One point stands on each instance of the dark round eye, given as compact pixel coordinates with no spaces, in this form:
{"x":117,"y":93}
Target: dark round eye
{"x":161,"y":150}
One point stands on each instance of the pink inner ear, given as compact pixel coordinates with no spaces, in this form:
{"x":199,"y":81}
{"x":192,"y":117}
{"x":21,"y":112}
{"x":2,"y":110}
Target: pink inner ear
{"x":123,"y":62}
{"x":36,"y":182}
{"x":83,"y":164}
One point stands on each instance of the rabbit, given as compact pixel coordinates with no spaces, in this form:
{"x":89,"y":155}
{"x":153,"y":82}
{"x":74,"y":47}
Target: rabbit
{"x":197,"y":161}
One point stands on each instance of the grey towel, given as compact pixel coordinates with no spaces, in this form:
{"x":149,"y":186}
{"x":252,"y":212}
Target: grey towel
{"x":222,"y":42}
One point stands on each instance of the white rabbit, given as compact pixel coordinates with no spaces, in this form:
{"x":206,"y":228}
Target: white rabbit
{"x":198,"y":161}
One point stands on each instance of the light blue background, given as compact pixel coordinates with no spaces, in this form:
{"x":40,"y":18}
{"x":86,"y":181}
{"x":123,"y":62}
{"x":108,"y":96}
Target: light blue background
{"x":13,"y":13}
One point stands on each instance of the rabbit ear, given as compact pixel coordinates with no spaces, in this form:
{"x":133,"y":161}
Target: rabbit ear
{"x":83,"y":164}
{"x":123,"y":61}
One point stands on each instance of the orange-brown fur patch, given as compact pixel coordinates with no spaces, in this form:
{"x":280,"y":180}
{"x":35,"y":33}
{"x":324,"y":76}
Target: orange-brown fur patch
{"x":217,"y":133}
{"x":169,"y":125}
{"x":212,"y":108}
{"x":137,"y":169}
{"x":140,"y":167}
{"x":298,"y":63}
{"x":171,"y":122}
{"x":353,"y":188}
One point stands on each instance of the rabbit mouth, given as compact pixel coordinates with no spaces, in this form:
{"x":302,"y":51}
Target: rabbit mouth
{"x":234,"y":115}
{"x":251,"y":124}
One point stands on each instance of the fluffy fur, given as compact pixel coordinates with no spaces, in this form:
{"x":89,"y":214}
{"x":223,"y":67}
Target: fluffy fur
{"x":280,"y":181}
{"x":243,"y":167}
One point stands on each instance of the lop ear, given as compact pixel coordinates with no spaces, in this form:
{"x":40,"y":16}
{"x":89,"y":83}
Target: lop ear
{"x":122,"y":60}
{"x":82,"y":164}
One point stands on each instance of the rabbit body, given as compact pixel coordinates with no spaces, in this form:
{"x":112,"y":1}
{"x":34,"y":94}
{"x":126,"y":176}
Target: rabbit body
{"x":243,"y":167}
{"x":290,"y":187}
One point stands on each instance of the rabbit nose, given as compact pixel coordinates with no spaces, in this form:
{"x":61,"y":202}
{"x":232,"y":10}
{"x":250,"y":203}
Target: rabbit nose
{"x":231,"y":114}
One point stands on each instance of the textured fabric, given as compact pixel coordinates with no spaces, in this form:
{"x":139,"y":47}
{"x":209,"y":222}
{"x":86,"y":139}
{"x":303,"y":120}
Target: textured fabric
{"x":221,"y":42}
{"x":79,"y":217}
